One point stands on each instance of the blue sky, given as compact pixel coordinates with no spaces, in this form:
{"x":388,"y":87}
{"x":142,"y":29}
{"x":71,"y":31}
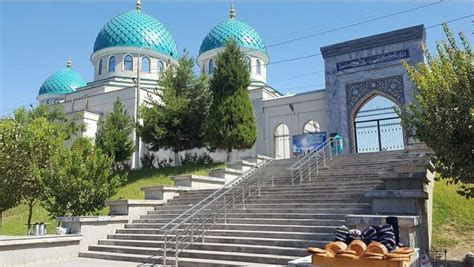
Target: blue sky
{"x":38,"y":37}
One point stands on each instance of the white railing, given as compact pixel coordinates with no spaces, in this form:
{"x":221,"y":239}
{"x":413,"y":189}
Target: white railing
{"x":310,"y":165}
{"x":191,"y":226}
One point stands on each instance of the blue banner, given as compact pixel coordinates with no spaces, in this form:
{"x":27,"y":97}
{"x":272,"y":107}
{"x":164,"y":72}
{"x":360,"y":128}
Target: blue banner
{"x":304,"y":143}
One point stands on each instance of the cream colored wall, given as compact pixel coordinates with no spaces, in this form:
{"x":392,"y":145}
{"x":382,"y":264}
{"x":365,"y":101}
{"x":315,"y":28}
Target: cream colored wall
{"x":308,"y":106}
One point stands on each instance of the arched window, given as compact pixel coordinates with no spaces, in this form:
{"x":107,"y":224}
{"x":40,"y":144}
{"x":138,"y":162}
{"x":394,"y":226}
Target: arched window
{"x":377,"y":126}
{"x":112,"y":64}
{"x":145,"y":64}
{"x":128,"y":62}
{"x":100,"y":67}
{"x":311,"y":127}
{"x":281,"y":136}
{"x":249,"y":63}
{"x":161,"y":67}
{"x":211,"y":66}
{"x":258,"y":67}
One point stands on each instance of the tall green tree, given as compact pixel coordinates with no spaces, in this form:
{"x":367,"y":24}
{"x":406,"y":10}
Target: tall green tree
{"x":175,"y":119}
{"x":79,"y":180}
{"x":12,"y":160}
{"x":442,"y":113}
{"x":32,"y":137}
{"x":231,"y":122}
{"x":114,"y":132}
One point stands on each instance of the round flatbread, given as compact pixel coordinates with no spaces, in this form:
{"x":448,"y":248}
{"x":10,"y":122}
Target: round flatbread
{"x":334,"y":247}
{"x":395,"y":255}
{"x":346,"y":256}
{"x":370,"y":254}
{"x":404,"y":250}
{"x":377,"y":247}
{"x":347,"y":252}
{"x":317,"y":250}
{"x":373,"y":257}
{"x":358,"y":246}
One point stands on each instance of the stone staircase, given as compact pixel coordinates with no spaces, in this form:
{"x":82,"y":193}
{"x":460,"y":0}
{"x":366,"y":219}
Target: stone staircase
{"x":274,"y":228}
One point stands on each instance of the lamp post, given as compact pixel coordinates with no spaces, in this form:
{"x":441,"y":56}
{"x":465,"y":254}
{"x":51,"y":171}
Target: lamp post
{"x":137,"y":105}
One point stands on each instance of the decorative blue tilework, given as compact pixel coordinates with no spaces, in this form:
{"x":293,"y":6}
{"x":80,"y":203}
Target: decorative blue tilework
{"x":62,"y":82}
{"x":138,"y":29}
{"x":241,"y":32}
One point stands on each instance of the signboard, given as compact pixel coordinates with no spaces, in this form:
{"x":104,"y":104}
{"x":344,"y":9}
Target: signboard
{"x":304,"y":143}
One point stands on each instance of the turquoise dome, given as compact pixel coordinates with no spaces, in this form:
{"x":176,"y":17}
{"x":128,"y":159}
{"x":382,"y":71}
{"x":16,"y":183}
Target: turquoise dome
{"x":243,"y":34}
{"x":62,"y":82}
{"x":138,"y":29}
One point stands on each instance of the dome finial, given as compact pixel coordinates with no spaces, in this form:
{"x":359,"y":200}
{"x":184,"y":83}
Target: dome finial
{"x":139,"y":5}
{"x":69,"y":63}
{"x":232,"y":10}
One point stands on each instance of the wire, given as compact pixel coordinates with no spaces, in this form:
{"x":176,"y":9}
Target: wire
{"x":352,"y":25}
{"x":449,"y":21}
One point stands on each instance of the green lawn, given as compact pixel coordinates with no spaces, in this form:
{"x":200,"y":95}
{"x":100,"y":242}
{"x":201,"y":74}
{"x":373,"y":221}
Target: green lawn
{"x":14,"y":220}
{"x":453,"y":218}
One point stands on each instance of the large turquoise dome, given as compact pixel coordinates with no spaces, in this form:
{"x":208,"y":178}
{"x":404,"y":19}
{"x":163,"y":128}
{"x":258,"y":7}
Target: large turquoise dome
{"x":138,"y":29}
{"x":62,"y":82}
{"x":241,"y":32}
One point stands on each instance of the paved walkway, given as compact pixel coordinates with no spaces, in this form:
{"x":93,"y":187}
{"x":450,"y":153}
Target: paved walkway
{"x":84,"y":262}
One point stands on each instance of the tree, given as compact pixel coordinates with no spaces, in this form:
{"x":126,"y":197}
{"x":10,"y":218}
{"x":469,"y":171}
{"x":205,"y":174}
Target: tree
{"x":113,"y":135}
{"x":442,"y":113}
{"x":12,"y":159}
{"x":32,"y":137}
{"x":175,"y":119}
{"x":231,"y":122}
{"x":79,"y":180}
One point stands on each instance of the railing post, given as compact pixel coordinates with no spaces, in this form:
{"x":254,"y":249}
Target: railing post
{"x":233,"y":198}
{"x":164,"y":248}
{"x":176,"y":250}
{"x":243,"y":198}
{"x":309,"y":171}
{"x":225,"y":210}
{"x":324,"y":159}
{"x":301,"y":177}
{"x":192,"y":230}
{"x":292,"y":177}
{"x":330,"y":150}
{"x":317,"y":165}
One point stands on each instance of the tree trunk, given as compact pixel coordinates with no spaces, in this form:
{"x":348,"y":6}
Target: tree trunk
{"x":229,"y":153}
{"x":177,"y":160}
{"x":30,"y":214}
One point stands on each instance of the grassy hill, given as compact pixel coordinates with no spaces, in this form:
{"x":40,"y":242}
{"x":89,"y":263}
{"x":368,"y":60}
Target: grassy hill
{"x":453,"y":218}
{"x":14,"y":220}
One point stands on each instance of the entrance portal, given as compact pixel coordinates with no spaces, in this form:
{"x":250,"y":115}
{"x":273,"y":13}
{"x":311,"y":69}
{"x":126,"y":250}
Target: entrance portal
{"x":377,"y":126}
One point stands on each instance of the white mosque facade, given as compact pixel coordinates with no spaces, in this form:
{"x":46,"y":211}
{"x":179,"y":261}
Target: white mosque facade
{"x":364,"y":81}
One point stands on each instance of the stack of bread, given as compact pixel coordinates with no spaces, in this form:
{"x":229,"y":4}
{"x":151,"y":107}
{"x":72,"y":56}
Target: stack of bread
{"x":357,"y":249}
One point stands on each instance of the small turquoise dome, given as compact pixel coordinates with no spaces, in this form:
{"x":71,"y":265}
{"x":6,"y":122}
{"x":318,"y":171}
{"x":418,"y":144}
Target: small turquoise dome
{"x":62,"y":82}
{"x":241,"y":32}
{"x":138,"y":29}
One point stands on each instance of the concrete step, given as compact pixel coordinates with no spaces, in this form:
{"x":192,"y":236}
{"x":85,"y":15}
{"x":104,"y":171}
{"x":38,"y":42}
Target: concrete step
{"x":272,"y":221}
{"x":151,"y":246}
{"x":241,"y":233}
{"x":251,"y":227}
{"x":262,"y":215}
{"x":186,"y":262}
{"x":203,"y":254}
{"x":281,"y":242}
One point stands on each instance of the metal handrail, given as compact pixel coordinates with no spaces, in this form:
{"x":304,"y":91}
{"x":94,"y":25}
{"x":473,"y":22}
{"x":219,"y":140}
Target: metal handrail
{"x":186,"y":230}
{"x":313,"y":161}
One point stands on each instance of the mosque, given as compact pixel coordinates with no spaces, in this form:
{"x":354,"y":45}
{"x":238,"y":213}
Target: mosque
{"x":364,"y":82}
